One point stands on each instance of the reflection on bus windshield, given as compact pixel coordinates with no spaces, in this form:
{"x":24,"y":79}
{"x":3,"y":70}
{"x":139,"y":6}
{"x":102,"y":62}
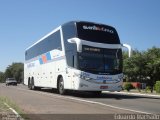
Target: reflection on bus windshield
{"x":108,"y":61}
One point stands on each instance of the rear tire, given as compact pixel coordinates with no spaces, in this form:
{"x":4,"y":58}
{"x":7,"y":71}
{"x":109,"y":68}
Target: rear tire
{"x":61,"y":89}
{"x":29,"y":84}
{"x":32,"y":84}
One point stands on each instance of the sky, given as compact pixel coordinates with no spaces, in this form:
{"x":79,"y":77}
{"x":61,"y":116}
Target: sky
{"x":23,"y":22}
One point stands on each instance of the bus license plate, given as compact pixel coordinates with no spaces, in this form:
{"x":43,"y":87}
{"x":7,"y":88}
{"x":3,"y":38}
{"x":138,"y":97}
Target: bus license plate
{"x":103,"y":87}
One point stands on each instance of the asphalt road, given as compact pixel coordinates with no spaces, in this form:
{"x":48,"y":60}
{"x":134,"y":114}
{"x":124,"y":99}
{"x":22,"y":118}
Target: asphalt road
{"x":46,"y":104}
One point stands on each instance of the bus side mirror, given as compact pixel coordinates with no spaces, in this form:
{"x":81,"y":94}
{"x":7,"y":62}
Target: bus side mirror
{"x":78,"y":43}
{"x":129,"y":49}
{"x":71,"y":40}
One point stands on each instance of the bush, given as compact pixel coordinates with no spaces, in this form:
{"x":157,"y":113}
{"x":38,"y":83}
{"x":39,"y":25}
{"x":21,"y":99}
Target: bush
{"x":148,"y":88}
{"x":157,"y":86}
{"x":128,"y":86}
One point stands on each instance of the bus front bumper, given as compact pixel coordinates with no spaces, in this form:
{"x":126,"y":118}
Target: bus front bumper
{"x":83,"y":85}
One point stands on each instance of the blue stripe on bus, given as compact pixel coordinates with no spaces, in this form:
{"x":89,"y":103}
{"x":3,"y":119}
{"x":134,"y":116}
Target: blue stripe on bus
{"x":48,"y":55}
{"x":52,"y":60}
{"x":40,"y":61}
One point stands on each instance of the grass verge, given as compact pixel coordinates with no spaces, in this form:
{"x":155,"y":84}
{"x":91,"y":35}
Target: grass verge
{"x":142,"y":91}
{"x":5,"y":109}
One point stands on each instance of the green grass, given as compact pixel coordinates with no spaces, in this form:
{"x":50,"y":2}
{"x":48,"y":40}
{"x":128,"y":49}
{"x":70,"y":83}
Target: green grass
{"x":4,"y":108}
{"x":143,"y":91}
{"x":10,"y":103}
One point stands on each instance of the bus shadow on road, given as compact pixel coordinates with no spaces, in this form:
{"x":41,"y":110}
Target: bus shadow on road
{"x":109,"y":95}
{"x":104,"y":96}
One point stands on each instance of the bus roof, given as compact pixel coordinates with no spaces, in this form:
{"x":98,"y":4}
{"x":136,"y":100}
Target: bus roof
{"x":74,"y":22}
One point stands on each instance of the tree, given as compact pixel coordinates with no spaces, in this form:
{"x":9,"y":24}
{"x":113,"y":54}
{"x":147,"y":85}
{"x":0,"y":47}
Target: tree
{"x":152,"y":67}
{"x":15,"y":71}
{"x":133,"y":66}
{"x":8,"y":73}
{"x":2,"y":79}
{"x":143,"y":66}
{"x":157,"y":86}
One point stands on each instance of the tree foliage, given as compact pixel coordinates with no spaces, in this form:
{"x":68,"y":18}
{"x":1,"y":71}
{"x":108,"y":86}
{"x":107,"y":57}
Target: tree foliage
{"x":143,"y":66}
{"x":15,"y":71}
{"x":157,"y":86}
{"x":128,"y":86}
{"x":2,"y":77}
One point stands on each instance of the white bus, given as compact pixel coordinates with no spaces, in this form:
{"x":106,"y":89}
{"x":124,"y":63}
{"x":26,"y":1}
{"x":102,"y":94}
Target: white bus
{"x":78,"y":55}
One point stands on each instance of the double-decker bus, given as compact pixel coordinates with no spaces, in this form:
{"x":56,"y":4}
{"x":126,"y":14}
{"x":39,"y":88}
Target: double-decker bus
{"x":78,"y":55}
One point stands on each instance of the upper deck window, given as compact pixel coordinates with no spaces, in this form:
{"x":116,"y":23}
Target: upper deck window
{"x":49,"y":43}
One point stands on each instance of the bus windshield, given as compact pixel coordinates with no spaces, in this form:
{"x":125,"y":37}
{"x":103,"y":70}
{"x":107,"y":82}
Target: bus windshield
{"x":100,"y":60}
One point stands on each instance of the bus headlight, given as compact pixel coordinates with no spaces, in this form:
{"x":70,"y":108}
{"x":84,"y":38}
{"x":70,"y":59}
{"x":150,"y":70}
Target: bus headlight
{"x":86,"y":78}
{"x":83,"y":77}
{"x":118,"y":80}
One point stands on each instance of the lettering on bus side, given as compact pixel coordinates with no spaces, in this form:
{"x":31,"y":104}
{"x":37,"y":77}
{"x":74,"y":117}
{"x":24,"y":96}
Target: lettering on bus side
{"x":104,"y":78}
{"x":31,"y":65}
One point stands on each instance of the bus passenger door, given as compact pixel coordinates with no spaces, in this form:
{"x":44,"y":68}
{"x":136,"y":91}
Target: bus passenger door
{"x":72,"y":76}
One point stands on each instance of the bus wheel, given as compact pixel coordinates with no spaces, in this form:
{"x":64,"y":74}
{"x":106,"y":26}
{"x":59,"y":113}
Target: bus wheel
{"x":61,"y":89}
{"x":29,"y":84}
{"x":32,"y":84}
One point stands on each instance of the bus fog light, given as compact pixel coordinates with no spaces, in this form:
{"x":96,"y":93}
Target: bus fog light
{"x":120,"y":86}
{"x":83,"y":85}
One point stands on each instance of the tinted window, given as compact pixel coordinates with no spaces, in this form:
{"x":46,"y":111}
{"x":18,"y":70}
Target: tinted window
{"x":97,"y":33}
{"x":51,"y":42}
{"x":69,"y":31}
{"x":100,"y":60}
